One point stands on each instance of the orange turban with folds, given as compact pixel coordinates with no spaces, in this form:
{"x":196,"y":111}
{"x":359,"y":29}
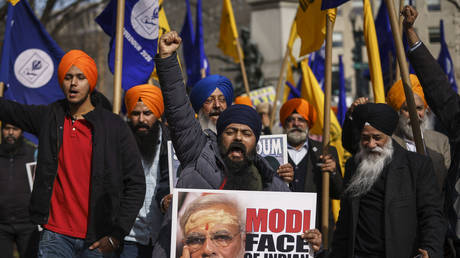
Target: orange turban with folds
{"x":243,"y":100}
{"x":150,"y":95}
{"x":81,"y":60}
{"x":396,"y":96}
{"x":302,"y":107}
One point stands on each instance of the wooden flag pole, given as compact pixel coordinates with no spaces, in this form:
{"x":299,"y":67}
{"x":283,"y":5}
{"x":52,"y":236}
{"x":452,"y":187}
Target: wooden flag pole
{"x":243,"y":69}
{"x":118,"y":56}
{"x":401,"y":6}
{"x":414,"y":120}
{"x":326,"y":131}
{"x":278,"y":86}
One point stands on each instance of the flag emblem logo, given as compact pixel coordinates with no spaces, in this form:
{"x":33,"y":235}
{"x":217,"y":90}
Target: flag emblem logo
{"x":144,"y":18}
{"x":33,"y":68}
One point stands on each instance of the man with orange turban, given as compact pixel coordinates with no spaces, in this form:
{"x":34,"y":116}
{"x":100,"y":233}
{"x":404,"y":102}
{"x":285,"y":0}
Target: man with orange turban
{"x":89,"y":184}
{"x":144,"y":105}
{"x":436,"y":144}
{"x":297,"y":116}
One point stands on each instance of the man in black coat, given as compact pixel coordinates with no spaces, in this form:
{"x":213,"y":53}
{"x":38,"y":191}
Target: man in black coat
{"x":15,"y":188}
{"x":391,"y":206}
{"x":89,"y":183}
{"x":445,"y":103}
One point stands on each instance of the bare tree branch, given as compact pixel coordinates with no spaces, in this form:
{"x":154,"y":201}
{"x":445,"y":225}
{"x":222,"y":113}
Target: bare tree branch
{"x":71,"y":15}
{"x":455,"y":3}
{"x":47,"y":11}
{"x":74,"y":5}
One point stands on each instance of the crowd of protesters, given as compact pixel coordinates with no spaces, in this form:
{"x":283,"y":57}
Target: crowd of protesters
{"x":101,"y":185}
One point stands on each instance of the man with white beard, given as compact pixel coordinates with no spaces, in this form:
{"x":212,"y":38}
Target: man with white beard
{"x":304,"y":154}
{"x":210,"y":97}
{"x":437,"y":144}
{"x":391,"y":206}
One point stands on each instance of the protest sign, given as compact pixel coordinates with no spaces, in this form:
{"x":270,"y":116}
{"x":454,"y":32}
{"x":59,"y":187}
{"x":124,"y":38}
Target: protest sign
{"x":269,"y":145}
{"x":245,"y":224}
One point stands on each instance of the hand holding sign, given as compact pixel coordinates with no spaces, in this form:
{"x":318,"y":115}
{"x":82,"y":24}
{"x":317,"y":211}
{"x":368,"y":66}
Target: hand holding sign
{"x":313,"y":237}
{"x":286,"y":172}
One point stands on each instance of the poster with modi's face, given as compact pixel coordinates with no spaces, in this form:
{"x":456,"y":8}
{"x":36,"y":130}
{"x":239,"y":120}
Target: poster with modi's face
{"x":234,"y":224}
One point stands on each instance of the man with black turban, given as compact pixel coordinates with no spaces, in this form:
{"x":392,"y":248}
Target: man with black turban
{"x":391,"y":206}
{"x":226,"y":160}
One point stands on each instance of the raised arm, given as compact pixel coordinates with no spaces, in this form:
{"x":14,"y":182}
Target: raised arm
{"x":185,"y":131}
{"x":27,"y":117}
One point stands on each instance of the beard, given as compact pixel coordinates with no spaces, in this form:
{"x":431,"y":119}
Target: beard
{"x":147,"y":141}
{"x":205,"y":119}
{"x":371,"y":165}
{"x":405,"y":129}
{"x":237,"y":174}
{"x":11,"y":144}
{"x":296,"y":136}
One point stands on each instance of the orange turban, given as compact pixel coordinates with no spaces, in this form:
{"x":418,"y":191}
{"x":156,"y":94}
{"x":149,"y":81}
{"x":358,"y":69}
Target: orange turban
{"x":150,"y":95}
{"x":396,"y":96}
{"x":243,"y":100}
{"x":302,"y":107}
{"x":81,"y":60}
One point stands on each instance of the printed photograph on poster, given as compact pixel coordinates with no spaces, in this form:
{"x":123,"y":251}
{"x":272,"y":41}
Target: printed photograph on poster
{"x":269,"y":145}
{"x":248,"y":224}
{"x":30,"y":168}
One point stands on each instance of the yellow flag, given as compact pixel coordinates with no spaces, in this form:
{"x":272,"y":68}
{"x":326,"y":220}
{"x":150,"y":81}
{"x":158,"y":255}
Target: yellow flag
{"x":292,"y":37}
{"x":311,"y":24}
{"x":228,"y":32}
{"x":373,"y":55}
{"x":311,"y":91}
{"x":13,"y":2}
{"x":163,"y":28}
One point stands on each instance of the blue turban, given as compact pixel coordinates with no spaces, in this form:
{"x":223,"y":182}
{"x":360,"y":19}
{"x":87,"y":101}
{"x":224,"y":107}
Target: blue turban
{"x":240,"y":114}
{"x":206,"y":86}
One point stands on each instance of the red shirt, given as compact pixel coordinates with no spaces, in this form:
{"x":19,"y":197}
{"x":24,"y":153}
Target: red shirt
{"x":70,"y":199}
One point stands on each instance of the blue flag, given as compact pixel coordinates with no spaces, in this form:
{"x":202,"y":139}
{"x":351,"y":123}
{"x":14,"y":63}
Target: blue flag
{"x":30,"y":58}
{"x":316,"y":62}
{"x":386,"y":45}
{"x":193,"y":46}
{"x":294,"y":91}
{"x":140,"y":38}
{"x":328,"y":4}
{"x":342,"y":106}
{"x":444,"y":59}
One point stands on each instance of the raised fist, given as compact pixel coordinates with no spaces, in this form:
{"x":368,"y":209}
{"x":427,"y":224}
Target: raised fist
{"x":169,"y":43}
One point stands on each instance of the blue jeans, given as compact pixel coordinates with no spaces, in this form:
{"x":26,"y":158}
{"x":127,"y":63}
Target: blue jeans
{"x":135,"y":250}
{"x":55,"y":245}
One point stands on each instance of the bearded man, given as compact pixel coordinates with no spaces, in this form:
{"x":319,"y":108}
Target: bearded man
{"x":144,"y":105}
{"x":227,"y":160}
{"x":437,"y":144}
{"x":209,"y":97}
{"x":15,"y":225}
{"x":305,"y":154}
{"x":391,"y":206}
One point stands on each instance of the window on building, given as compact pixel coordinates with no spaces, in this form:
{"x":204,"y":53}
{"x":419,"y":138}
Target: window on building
{"x":337,"y":39}
{"x":434,"y":34}
{"x":433,"y":5}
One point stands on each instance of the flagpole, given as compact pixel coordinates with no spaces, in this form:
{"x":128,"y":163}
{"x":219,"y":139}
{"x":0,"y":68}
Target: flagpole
{"x":278,"y":86}
{"x":243,"y":69}
{"x":401,"y":6}
{"x":414,"y":120}
{"x":118,"y":56}
{"x":326,"y":131}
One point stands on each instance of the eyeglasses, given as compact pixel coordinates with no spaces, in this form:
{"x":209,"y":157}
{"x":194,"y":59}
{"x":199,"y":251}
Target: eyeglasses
{"x":220,"y":99}
{"x":195,"y":241}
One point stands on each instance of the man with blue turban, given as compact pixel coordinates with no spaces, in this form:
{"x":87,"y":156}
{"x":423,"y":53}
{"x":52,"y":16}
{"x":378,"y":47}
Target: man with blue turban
{"x":210,"y":96}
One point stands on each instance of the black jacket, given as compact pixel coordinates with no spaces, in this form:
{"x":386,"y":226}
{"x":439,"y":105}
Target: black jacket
{"x":117,"y":179}
{"x":445,"y":103}
{"x":14,"y":184}
{"x":412,"y":208}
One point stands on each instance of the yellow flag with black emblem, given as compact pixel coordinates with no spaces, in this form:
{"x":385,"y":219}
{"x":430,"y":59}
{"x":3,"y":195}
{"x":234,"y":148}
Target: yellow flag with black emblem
{"x":228,"y":32}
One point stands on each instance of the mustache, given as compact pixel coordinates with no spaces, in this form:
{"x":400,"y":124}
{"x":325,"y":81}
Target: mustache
{"x":295,"y":129}
{"x":215,"y":113}
{"x":141,"y":125}
{"x":237,"y":146}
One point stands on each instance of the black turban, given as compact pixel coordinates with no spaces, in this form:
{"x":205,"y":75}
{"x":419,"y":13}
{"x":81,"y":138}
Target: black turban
{"x":380,"y":116}
{"x":240,"y":114}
